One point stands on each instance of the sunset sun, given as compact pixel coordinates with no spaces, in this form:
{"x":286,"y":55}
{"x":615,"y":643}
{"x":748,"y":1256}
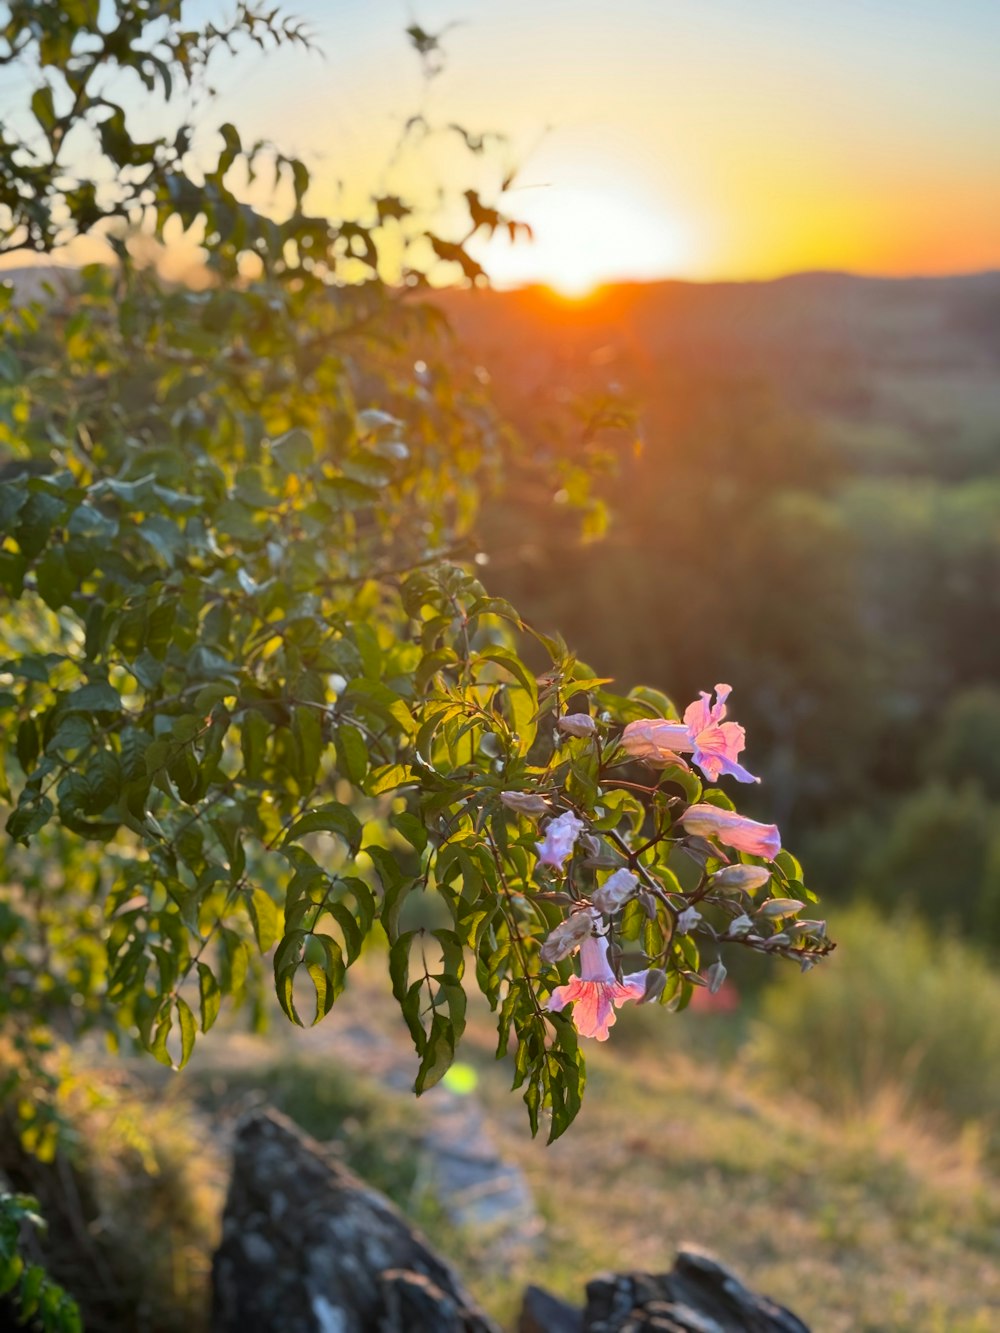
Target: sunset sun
{"x":586,"y":237}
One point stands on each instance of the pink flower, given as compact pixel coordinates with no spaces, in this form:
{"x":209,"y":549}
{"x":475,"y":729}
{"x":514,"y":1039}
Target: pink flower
{"x":656,"y":741}
{"x":560,"y":836}
{"x":714,"y":743}
{"x":596,"y":992}
{"x":732,"y":829}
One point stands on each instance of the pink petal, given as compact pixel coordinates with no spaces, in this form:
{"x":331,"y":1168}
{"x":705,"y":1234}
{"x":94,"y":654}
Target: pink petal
{"x":722,"y":693}
{"x":564,"y":995}
{"x":698,"y":715}
{"x":594,"y":1012}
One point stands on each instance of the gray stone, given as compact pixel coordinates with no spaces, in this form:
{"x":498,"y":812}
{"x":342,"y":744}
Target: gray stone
{"x":699,"y":1295}
{"x":308,"y":1248}
{"x":541,"y":1312}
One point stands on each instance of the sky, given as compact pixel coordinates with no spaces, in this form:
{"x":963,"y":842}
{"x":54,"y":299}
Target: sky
{"x":701,"y":139}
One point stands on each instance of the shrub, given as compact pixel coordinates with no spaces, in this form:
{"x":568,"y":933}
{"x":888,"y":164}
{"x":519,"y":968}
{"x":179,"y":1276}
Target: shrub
{"x":937,"y":856}
{"x":896,"y":1012}
{"x":967,"y":745}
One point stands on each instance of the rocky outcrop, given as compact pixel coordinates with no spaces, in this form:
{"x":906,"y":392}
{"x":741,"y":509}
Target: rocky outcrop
{"x":699,"y":1295}
{"x":309,"y":1248}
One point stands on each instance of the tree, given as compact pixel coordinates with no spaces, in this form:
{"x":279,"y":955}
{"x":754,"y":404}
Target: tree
{"x":255,"y":703}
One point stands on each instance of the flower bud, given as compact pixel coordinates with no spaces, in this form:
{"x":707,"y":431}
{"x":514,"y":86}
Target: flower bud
{"x":739,"y":877}
{"x":686,"y":920}
{"x":577,"y":724}
{"x":525,"y":803}
{"x":567,"y":937}
{"x":815,"y":928}
{"x":648,"y":903}
{"x":615,"y":891}
{"x":590,"y":845}
{"x":741,"y":925}
{"x":656,"y":981}
{"x":716,"y":976}
{"x":775,"y":907}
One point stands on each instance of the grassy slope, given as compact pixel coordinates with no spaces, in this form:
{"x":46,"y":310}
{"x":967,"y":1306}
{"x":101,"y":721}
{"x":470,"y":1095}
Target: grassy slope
{"x":877,"y":1224}
{"x":856,"y":1227}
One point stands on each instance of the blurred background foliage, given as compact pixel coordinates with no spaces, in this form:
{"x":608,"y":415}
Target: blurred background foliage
{"x":811,"y":513}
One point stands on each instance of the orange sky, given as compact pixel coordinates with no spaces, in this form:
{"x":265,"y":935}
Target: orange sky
{"x":701,"y":139}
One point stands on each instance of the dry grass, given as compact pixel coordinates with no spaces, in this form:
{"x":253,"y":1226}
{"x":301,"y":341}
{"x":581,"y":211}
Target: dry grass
{"x":875,"y":1222}
{"x":879,"y":1222}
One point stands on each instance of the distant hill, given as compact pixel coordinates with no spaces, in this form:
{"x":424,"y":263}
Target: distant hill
{"x":891,"y":367}
{"x":895,"y":370}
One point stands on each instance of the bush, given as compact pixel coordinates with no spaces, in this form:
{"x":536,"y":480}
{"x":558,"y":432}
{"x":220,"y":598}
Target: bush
{"x":967,"y":746}
{"x":896,"y":1012}
{"x":938,"y":856}
{"x":132,"y":1201}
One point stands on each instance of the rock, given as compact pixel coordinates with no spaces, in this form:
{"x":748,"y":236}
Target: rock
{"x":308,"y":1248}
{"x":544,"y":1313}
{"x":415,"y":1305}
{"x":699,"y":1295}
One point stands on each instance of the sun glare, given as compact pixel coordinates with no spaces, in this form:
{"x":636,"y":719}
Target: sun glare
{"x":583,"y":238}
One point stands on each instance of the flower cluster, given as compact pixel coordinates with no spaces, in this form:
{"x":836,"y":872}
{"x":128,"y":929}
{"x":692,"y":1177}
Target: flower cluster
{"x":712,"y":743}
{"x":572,"y":853}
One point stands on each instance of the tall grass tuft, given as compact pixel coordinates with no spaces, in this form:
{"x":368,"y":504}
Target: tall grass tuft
{"x":893,"y":1015}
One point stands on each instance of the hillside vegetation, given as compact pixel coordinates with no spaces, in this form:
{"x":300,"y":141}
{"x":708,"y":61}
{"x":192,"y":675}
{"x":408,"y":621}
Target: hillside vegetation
{"x":809,"y":508}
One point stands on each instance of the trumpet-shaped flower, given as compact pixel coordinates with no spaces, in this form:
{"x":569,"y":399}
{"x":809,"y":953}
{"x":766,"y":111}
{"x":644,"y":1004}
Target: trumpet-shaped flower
{"x":732,"y":829}
{"x":560,"y":836}
{"x":596,"y":992}
{"x":712,"y":742}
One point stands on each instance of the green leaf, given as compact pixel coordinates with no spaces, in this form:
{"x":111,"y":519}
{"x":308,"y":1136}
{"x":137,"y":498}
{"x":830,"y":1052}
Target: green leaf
{"x":43,"y":109}
{"x":330,"y":818}
{"x":307,"y":728}
{"x":439,"y":1053}
{"x":352,"y":753}
{"x":99,"y":697}
{"x":413,"y":829}
{"x":37,"y":519}
{"x":28,"y":818}
{"x":13,"y":498}
{"x":27,"y":745}
{"x":56,"y":581}
{"x":287,"y":960}
{"x":254,"y":734}
{"x":265,"y":916}
{"x":209,"y":995}
{"x":293,"y":452}
{"x":389,"y":778}
{"x":188,"y":1029}
{"x":158,"y":1046}
{"x":505,"y":658}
